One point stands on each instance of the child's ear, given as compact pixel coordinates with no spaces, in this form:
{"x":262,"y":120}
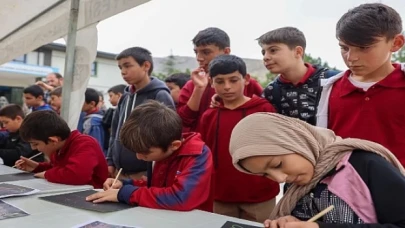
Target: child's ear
{"x":299,"y":52}
{"x":54,"y":139}
{"x":19,"y":118}
{"x":146,"y":66}
{"x":247,"y":79}
{"x":398,"y":43}
{"x":176,"y":144}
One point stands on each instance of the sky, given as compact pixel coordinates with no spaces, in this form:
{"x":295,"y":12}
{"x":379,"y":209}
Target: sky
{"x":168,"y":26}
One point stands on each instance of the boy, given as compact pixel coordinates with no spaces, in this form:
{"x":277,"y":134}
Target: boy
{"x":196,"y":95}
{"x":56,"y":99}
{"x":136,"y":66}
{"x":115,"y":94}
{"x":235,"y":194}
{"x":175,"y":82}
{"x":92,"y":121}
{"x":34,"y":98}
{"x":368,"y":100}
{"x":12,"y":147}
{"x":75,"y":159}
{"x":296,"y":90}
{"x":101,"y":105}
{"x":183,"y":163}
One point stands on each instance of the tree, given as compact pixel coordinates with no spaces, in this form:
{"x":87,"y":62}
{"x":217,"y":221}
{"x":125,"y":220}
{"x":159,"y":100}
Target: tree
{"x":317,"y":61}
{"x":399,"y":56}
{"x":171,"y":64}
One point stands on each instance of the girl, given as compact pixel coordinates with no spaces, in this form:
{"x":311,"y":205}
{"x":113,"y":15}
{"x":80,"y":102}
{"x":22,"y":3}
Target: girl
{"x":362,"y":179}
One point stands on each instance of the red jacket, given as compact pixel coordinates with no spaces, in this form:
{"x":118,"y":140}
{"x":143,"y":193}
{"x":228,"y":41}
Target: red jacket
{"x":181,"y":182}
{"x":191,"y":118}
{"x":231,"y":185}
{"x":80,"y":162}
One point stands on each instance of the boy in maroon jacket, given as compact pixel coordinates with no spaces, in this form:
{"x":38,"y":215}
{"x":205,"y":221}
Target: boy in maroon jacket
{"x":236,"y":194}
{"x":181,"y":177}
{"x":195,"y":96}
{"x":75,"y":159}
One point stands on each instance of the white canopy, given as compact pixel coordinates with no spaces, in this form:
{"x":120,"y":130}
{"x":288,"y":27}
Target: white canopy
{"x":29,"y":24}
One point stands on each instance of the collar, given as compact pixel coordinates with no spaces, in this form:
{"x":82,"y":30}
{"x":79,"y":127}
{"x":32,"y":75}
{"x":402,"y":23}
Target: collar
{"x":310,"y":71}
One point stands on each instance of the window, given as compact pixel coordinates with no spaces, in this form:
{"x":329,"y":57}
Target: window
{"x":21,"y":59}
{"x":93,"y":72}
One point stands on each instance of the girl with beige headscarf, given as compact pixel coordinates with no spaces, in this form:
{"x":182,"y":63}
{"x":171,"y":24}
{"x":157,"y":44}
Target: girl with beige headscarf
{"x":362,"y":179}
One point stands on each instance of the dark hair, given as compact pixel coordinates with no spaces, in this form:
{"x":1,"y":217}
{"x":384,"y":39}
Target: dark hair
{"x":56,"y":92}
{"x":117,"y":89}
{"x":91,"y":95}
{"x":34,"y":90}
{"x":151,"y":124}
{"x":179,"y":79}
{"x":12,"y":111}
{"x":290,"y":36}
{"x":214,"y":36}
{"x":362,"y":25}
{"x":139,"y":54}
{"x":41,"y":125}
{"x":100,"y":95}
{"x":226,"y":64}
{"x":57,"y":75}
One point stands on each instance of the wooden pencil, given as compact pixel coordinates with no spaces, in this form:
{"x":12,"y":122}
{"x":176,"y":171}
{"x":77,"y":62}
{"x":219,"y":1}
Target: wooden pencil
{"x":116,"y":178}
{"x":320,"y":214}
{"x":31,"y":157}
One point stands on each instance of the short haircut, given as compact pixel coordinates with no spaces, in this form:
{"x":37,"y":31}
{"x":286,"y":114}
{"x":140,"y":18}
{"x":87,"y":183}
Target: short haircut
{"x":179,"y":79}
{"x":139,"y":54}
{"x":91,"y":95}
{"x":117,"y":89}
{"x":41,"y":125}
{"x":151,"y":124}
{"x":364,"y":24}
{"x":290,"y":36}
{"x":12,"y":111}
{"x":212,"y":36}
{"x":56,"y":92}
{"x":226,"y":64}
{"x":34,"y":90}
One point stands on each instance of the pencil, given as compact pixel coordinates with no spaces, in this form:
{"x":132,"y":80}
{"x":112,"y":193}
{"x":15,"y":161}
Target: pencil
{"x":320,"y":214}
{"x":116,"y":178}
{"x":31,"y":158}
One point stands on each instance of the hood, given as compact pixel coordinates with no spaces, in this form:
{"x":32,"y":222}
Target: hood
{"x":154,"y":84}
{"x":252,"y":103}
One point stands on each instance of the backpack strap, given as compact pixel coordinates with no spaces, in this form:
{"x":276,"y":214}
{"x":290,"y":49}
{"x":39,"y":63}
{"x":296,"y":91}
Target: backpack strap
{"x":276,"y":94}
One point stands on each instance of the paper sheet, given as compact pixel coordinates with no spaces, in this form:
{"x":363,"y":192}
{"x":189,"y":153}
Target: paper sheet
{"x":9,"y":190}
{"x":99,"y":224}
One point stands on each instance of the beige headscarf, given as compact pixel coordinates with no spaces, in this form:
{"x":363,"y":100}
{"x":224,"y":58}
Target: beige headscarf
{"x":274,"y":134}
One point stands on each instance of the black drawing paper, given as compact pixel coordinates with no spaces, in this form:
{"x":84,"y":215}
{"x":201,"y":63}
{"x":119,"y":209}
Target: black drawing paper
{"x":16,"y":177}
{"x":229,"y":224}
{"x":7,"y":211}
{"x":78,"y":200}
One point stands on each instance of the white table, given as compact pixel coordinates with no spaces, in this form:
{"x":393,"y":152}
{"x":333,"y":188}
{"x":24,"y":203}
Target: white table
{"x":46,"y":214}
{"x":42,"y":185}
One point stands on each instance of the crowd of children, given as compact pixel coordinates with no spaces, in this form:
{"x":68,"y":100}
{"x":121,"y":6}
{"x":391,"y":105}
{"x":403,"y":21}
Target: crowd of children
{"x":215,"y":140}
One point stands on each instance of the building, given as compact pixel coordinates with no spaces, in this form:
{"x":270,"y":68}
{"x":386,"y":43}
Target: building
{"x":34,"y":66}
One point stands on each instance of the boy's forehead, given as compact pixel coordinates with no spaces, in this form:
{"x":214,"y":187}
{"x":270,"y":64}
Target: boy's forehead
{"x":230,"y":75}
{"x":125,"y":60}
{"x":271,"y":45}
{"x":206,"y":47}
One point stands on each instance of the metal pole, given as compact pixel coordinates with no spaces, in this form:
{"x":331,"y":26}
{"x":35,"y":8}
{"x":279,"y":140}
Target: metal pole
{"x":70,"y":58}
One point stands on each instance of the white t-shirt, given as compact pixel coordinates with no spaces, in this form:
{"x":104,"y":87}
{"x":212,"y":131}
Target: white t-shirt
{"x":362,"y":85}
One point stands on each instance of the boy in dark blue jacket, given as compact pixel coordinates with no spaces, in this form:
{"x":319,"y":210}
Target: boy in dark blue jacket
{"x":136,"y":65}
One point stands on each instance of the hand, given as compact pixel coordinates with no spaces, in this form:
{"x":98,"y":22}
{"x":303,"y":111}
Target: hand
{"x":214,"y":101}
{"x":199,"y":78}
{"x":301,"y":225}
{"x":26,"y":165}
{"x":108,"y":184}
{"x":280,"y":222}
{"x":44,"y":86}
{"x":111,"y":195}
{"x":40,"y":175}
{"x":40,"y":83}
{"x":111,"y":171}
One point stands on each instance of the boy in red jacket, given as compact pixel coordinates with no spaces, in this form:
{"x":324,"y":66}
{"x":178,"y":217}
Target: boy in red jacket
{"x":195,"y":96}
{"x":236,"y":194}
{"x":75,"y":159}
{"x":181,"y":176}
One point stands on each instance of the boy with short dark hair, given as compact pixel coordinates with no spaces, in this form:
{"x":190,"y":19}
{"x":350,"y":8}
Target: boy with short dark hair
{"x":136,"y":65}
{"x":115,"y":93}
{"x":182,"y":172}
{"x":12,"y":147}
{"x":92,"y":121}
{"x":175,"y":82}
{"x":56,"y":99}
{"x":34,"y":98}
{"x":368,"y":100}
{"x":296,"y":90}
{"x":195,"y":96}
{"x":236,"y":194}
{"x":75,"y":159}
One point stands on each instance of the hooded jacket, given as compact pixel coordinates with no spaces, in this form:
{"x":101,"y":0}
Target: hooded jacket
{"x":119,"y":156}
{"x":92,"y":125}
{"x":230,"y":185}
